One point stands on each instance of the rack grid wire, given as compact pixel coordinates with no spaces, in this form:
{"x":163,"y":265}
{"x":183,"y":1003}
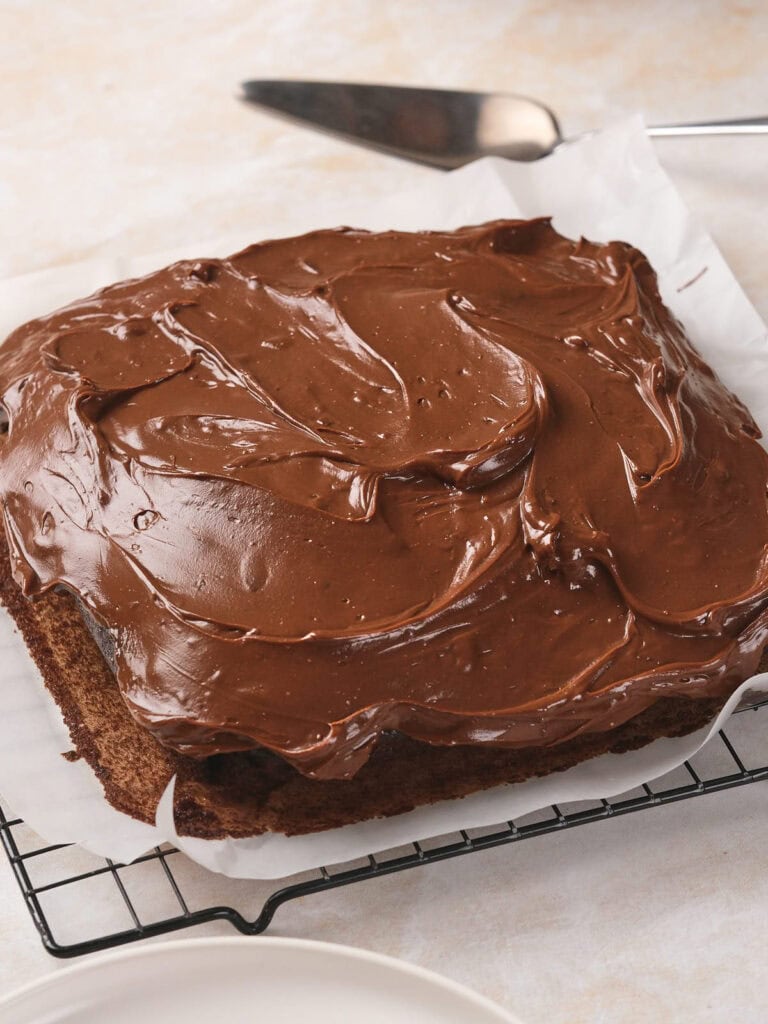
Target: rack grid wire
{"x":723,"y":766}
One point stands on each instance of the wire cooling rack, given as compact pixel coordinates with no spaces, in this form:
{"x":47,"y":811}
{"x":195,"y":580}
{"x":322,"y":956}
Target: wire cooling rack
{"x":123,"y":902}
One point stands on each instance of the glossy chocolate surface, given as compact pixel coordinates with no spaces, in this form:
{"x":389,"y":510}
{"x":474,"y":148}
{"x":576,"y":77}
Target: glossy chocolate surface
{"x":475,"y":486}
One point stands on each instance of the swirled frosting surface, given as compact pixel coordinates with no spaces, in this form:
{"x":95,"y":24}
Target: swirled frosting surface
{"x":475,"y":486}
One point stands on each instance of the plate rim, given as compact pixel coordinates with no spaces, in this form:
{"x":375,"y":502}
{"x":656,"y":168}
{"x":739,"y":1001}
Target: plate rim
{"x":336,"y":949}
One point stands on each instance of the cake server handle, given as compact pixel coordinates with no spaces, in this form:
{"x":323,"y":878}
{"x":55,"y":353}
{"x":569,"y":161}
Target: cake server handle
{"x":744,"y":126}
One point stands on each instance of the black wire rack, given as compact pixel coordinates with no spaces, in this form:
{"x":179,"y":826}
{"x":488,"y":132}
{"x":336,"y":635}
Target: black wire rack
{"x":54,"y":880}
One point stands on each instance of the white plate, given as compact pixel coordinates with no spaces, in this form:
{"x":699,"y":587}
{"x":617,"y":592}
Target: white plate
{"x":234,"y":981}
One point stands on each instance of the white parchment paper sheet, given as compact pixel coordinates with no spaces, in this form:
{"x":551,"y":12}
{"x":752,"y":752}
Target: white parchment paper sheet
{"x":608,"y":185}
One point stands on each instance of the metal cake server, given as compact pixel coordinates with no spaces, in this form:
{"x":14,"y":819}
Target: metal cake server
{"x":444,"y":128}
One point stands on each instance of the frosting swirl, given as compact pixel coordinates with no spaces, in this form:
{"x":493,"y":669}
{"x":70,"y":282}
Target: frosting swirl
{"x":476,"y":486}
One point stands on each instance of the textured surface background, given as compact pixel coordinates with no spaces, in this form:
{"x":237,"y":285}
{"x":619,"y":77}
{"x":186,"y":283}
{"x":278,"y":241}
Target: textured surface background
{"x":118,"y":135}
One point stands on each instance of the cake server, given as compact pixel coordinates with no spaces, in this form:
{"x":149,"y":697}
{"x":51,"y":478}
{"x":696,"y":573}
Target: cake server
{"x":444,"y":128}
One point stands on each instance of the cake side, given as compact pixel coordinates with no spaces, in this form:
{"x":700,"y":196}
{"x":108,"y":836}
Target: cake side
{"x":240,"y":795}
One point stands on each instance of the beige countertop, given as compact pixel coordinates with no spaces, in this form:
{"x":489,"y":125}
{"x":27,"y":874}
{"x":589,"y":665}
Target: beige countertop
{"x":119,"y":136}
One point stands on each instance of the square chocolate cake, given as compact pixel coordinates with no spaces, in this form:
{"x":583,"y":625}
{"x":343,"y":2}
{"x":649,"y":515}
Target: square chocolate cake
{"x":351,"y":522}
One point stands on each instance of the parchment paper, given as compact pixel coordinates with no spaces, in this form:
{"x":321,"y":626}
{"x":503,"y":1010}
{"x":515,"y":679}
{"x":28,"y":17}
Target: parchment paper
{"x":608,"y":185}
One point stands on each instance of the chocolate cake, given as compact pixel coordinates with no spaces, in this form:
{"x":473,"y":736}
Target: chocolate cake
{"x":362,"y":521}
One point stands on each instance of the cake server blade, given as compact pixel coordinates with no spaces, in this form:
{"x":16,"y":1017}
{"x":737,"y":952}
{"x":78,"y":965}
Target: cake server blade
{"x":443,"y":128}
{"x":440,"y":127}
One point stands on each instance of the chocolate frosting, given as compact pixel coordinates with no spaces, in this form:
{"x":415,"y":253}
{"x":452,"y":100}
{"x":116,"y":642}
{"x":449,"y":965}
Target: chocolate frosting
{"x":475,"y":486}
